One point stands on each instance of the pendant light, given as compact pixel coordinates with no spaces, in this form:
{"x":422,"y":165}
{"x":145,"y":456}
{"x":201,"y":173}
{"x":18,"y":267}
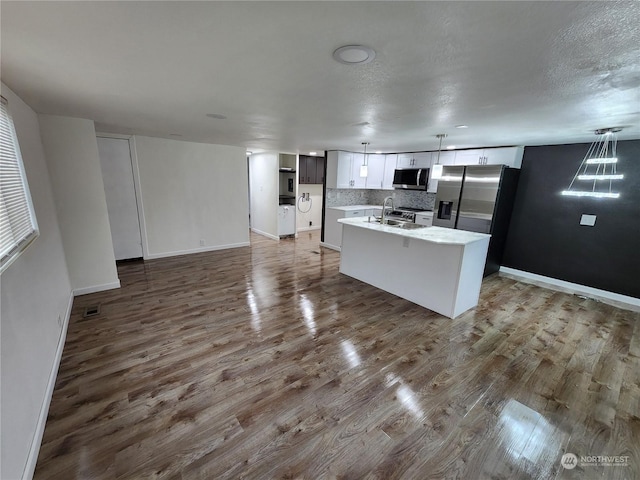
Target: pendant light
{"x":597,"y":173}
{"x":436,"y":170}
{"x":364,"y":168}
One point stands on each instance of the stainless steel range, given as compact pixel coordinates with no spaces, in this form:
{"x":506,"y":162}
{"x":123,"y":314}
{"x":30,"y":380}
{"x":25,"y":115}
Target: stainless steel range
{"x":406,"y":214}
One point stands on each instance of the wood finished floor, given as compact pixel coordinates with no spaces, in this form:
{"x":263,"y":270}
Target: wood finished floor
{"x":265,"y":362}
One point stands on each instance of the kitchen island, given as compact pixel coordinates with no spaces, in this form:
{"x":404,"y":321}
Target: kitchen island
{"x":438,"y":268}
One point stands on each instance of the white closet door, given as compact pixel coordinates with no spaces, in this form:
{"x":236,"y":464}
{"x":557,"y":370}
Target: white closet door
{"x":117,"y":175}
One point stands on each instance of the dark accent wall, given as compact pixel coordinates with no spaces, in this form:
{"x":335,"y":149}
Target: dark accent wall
{"x":545,"y":236}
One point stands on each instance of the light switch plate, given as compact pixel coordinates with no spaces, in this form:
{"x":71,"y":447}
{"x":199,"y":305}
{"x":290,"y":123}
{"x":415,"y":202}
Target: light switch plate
{"x":588,"y":220}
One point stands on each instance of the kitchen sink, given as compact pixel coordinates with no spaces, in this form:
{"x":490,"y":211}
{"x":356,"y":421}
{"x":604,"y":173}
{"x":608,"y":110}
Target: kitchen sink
{"x":404,"y":225}
{"x":408,"y":226}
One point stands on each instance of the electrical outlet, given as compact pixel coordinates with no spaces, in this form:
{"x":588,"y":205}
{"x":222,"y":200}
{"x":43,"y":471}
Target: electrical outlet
{"x":202,"y":242}
{"x":588,"y":220}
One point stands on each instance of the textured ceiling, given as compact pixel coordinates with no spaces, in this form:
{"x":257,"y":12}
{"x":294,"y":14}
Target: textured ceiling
{"x":517,"y":73}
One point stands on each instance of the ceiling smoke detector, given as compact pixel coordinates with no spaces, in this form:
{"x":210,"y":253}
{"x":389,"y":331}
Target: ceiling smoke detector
{"x":354,"y":54}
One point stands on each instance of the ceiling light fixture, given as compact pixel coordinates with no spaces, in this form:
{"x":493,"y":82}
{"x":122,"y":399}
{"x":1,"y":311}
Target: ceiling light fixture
{"x":354,"y":55}
{"x":436,"y":171}
{"x":364,"y":168}
{"x":378,"y":152}
{"x":597,"y":166}
{"x":451,"y":147}
{"x":462,"y":126}
{"x":313,"y":153}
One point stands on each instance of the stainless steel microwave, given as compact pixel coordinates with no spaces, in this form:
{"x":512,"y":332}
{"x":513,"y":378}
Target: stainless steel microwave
{"x":411,"y":178}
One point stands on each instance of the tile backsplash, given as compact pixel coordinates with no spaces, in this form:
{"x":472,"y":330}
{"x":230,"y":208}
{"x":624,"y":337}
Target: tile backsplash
{"x":339,"y":197}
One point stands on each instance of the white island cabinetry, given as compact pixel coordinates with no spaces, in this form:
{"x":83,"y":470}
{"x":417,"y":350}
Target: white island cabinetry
{"x":438,"y":268}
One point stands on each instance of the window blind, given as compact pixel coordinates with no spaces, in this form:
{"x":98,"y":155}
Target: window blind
{"x":18,"y":225}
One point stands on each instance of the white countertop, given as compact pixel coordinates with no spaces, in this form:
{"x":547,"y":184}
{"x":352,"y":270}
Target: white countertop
{"x":349,"y":208}
{"x":428,"y":234}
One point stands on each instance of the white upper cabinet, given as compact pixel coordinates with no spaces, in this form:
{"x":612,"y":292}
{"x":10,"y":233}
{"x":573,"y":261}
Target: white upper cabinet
{"x":509,"y":156}
{"x":375,"y":174}
{"x":468,"y":157}
{"x":343,"y":170}
{"x":422,"y":160}
{"x":338,"y":169}
{"x":405,"y":160}
{"x":356,"y":180}
{"x":414,"y":160}
{"x":390,"y":163}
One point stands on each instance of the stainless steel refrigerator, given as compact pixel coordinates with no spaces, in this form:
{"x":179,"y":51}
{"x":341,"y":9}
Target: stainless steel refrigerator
{"x":478,"y":198}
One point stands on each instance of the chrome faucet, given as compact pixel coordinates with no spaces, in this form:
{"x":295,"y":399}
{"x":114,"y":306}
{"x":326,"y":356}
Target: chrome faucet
{"x":384,"y":204}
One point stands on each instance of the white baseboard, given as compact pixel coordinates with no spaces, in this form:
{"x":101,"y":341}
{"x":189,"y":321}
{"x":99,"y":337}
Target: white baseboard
{"x":308,"y":229}
{"x":95,"y":288}
{"x":265,"y":234}
{"x":611,"y":298}
{"x":213,"y":248}
{"x":34,"y":450}
{"x":332,"y":247}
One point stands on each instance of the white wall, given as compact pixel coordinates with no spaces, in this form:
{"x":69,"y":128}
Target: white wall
{"x":315,"y":213}
{"x":35,"y":291}
{"x":71,"y":149}
{"x":194,"y":196}
{"x":264,"y":188}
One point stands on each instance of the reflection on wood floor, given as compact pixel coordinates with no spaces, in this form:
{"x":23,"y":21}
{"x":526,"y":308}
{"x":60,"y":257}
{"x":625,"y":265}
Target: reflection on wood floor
{"x":265,"y":362}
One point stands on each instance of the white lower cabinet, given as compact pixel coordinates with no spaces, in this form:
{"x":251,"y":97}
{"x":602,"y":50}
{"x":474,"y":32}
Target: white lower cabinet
{"x":425,"y":219}
{"x":333,"y":229}
{"x":286,"y":220}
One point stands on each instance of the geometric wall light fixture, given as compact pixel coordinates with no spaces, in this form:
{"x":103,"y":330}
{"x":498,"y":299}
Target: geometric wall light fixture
{"x":597,"y":174}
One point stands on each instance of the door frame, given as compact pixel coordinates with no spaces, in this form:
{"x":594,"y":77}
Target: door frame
{"x":137,"y":187}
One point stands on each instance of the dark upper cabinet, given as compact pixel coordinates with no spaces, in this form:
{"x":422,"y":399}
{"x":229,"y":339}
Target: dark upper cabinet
{"x":310,"y":169}
{"x":302,"y":169}
{"x":320,"y":169}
